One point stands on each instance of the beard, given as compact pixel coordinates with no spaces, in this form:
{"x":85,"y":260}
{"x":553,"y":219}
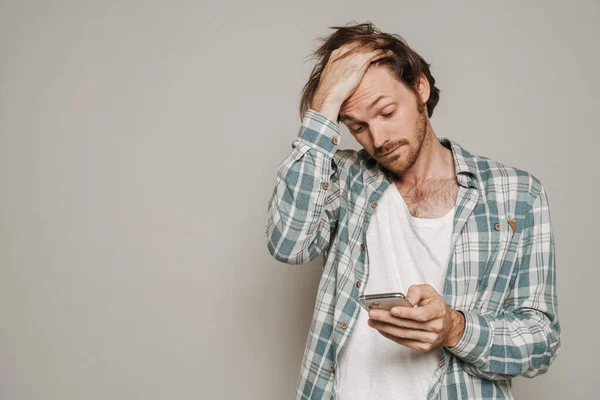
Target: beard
{"x":404,"y":159}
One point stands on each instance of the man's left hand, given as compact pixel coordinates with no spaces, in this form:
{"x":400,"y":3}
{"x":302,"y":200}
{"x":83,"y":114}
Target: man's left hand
{"x":428,"y":325}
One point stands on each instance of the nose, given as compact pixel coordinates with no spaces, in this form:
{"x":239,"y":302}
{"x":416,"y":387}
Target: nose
{"x":380,"y":138}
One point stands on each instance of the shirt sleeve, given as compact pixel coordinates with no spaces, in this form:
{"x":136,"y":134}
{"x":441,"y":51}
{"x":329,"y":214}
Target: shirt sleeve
{"x":304,"y":206}
{"x":525,"y":338}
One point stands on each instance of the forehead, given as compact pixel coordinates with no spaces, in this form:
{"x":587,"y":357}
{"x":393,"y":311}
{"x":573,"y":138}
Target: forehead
{"x":378,"y":83}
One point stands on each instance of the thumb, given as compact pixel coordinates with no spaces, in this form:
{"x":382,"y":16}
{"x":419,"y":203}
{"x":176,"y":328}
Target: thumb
{"x":417,"y":293}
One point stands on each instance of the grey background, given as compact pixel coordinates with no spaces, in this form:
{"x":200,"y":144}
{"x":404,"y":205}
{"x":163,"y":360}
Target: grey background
{"x":139,"y":142}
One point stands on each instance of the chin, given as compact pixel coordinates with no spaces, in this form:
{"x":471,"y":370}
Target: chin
{"x":397,"y":168}
{"x":401,"y":162}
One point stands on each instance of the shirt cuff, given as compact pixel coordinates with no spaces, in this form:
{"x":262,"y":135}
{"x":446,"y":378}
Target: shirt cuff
{"x":319,"y":132}
{"x":476,"y":339}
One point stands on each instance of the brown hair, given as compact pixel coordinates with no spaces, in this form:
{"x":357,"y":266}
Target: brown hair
{"x":405,"y":64}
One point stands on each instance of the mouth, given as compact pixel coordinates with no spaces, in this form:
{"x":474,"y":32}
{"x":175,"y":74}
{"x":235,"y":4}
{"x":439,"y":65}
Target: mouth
{"x":387,"y":154}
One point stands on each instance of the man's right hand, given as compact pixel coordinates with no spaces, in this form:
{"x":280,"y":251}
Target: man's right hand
{"x":342,"y":75}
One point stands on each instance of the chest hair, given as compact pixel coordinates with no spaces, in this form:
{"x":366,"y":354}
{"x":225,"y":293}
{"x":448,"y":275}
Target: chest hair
{"x":432,"y":198}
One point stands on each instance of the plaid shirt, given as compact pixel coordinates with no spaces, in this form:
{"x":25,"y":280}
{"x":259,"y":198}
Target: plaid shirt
{"x":501,"y":274}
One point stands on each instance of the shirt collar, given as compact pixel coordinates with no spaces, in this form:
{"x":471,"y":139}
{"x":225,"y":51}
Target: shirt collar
{"x":465,"y":164}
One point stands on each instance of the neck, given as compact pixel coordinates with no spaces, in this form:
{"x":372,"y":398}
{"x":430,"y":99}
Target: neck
{"x":435,"y":162}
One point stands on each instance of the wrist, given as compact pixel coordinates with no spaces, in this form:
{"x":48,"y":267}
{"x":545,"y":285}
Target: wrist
{"x":326,"y":106}
{"x":457,"y":328}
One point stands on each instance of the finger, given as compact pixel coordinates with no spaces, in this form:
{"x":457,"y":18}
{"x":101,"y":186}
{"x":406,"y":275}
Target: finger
{"x":341,"y":52}
{"x":380,"y":54}
{"x":421,"y":314}
{"x":386,"y":316}
{"x":412,"y":334}
{"x":357,"y":49}
{"x":352,"y":46}
{"x":413,"y":344}
{"x":372,"y":57}
{"x":367,"y":49}
{"x":349,"y":49}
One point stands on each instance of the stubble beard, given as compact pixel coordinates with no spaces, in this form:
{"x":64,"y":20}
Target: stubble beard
{"x":400,"y":163}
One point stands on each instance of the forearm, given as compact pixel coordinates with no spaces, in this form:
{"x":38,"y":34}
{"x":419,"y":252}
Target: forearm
{"x":303,"y":208}
{"x":508,"y":345}
{"x":524,"y":337}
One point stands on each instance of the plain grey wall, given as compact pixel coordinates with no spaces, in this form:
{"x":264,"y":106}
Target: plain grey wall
{"x":139,"y":142}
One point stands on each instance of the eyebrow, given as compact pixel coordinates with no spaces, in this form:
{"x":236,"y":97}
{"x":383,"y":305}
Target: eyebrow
{"x":377,"y":100}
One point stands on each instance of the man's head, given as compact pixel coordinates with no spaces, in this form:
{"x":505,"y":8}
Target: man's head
{"x":390,"y":109}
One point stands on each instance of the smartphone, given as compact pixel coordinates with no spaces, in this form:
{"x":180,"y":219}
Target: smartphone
{"x":384,"y":301}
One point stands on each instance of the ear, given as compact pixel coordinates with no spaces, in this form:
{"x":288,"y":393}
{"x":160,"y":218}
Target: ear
{"x":423,"y":88}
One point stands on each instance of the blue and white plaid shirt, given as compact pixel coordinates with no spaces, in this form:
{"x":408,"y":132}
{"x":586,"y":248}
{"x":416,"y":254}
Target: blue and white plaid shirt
{"x":501,"y":274}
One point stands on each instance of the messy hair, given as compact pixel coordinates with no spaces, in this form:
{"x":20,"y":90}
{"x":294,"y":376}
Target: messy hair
{"x":405,"y":64}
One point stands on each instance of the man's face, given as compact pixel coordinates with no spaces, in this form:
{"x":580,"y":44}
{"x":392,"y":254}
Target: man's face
{"x":394,"y":128}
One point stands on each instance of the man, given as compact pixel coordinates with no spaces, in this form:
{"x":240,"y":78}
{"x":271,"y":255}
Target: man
{"x":467,"y":239}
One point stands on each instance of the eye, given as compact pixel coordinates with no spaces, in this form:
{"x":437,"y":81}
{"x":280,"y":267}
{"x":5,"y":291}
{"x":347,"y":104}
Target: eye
{"x":388,"y":114}
{"x":358,"y":130}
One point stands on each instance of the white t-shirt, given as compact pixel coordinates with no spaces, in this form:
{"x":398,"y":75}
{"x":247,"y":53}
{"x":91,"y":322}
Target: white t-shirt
{"x":403,"y":250}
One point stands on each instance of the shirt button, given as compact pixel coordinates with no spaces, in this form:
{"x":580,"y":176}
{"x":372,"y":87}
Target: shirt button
{"x":358,"y":283}
{"x":497,"y":227}
{"x":362,"y":246}
{"x":324,"y":186}
{"x":335,"y":140}
{"x":332,"y":369}
{"x":374,"y":204}
{"x":344,"y":325}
